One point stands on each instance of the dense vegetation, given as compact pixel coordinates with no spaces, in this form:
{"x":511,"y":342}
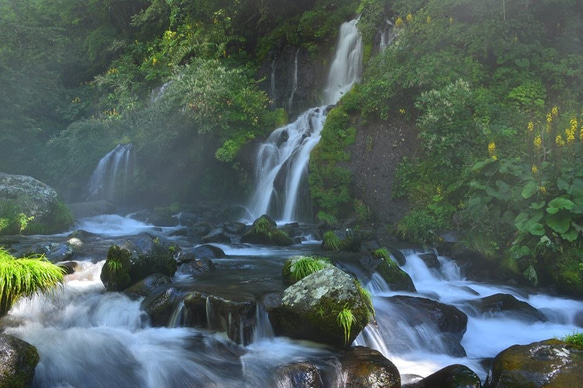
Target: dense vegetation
{"x":492,"y":86}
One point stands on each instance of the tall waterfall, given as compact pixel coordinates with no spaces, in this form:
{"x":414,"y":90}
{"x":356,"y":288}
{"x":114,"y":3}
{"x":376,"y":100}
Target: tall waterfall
{"x":281,"y":166}
{"x":110,"y":177}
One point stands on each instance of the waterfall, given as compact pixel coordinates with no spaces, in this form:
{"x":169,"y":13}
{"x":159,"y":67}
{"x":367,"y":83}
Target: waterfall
{"x":281,"y":165}
{"x":387,"y":35}
{"x":110,"y":177}
{"x":290,"y":101}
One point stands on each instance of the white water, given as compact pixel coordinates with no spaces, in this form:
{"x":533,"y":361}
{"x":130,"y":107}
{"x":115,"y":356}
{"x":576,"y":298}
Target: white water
{"x":284,"y":156}
{"x":486,"y":335}
{"x":112,"y":173}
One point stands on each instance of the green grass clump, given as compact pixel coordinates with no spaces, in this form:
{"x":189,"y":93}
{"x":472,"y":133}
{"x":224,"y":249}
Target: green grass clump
{"x":25,"y":277}
{"x":575,"y":339}
{"x":331,"y":241}
{"x":296,"y":270}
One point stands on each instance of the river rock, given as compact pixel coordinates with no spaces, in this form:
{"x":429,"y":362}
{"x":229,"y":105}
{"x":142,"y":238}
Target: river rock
{"x":216,"y":235}
{"x":392,"y":274}
{"x":550,"y":363}
{"x":453,"y":376}
{"x":367,"y":368}
{"x":299,"y":374}
{"x":18,"y":360}
{"x":264,"y":231}
{"x":310,"y":308}
{"x":160,"y":305}
{"x":147,"y":286}
{"x":234,"y":315}
{"x":450,"y":323}
{"x":506,"y":304}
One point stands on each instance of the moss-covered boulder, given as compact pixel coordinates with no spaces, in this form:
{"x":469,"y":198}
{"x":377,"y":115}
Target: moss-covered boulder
{"x":327,"y":306}
{"x":550,"y":363}
{"x":18,"y":360}
{"x":452,"y":376}
{"x":264,"y":231}
{"x":123,"y":268}
{"x":380,"y":261}
{"x":29,"y":206}
{"x":364,"y":367}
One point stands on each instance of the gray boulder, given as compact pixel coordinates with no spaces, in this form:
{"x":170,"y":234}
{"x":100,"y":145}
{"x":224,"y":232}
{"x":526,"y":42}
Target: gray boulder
{"x":315,"y":308}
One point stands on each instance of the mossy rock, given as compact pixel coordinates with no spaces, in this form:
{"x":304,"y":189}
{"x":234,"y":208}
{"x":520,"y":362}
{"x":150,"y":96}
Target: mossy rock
{"x":115,"y":274}
{"x":159,"y":259}
{"x":264,"y":231}
{"x":314,"y":309}
{"x":18,"y":360}
{"x":551,"y":363}
{"x":392,"y":274}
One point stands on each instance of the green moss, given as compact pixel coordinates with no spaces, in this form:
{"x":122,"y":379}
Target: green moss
{"x":115,"y":274}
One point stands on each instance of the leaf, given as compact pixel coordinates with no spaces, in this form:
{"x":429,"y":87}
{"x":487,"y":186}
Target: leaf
{"x":536,"y":229}
{"x":559,"y":203}
{"x":571,"y":235}
{"x":562,"y":184}
{"x":529,"y":190}
{"x":560,"y":222}
{"x":520,"y":221}
{"x":537,"y":205}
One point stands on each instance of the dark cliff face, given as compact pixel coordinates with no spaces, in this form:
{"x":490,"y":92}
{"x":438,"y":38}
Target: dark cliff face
{"x":374,"y":157}
{"x":293,"y":79}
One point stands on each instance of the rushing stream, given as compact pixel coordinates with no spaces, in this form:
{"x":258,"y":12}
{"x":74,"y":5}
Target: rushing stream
{"x":87,"y":337}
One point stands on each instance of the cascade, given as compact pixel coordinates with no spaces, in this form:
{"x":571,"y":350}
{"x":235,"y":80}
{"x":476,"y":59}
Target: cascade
{"x":387,"y":35}
{"x":290,"y":101}
{"x":110,"y":177}
{"x":282,"y":160}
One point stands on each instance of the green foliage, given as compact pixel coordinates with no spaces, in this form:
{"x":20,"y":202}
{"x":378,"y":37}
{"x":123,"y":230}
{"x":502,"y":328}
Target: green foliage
{"x":346,"y":320}
{"x":25,"y":277}
{"x":298,"y":268}
{"x":13,"y":219}
{"x":331,"y":241}
{"x":574,"y":339}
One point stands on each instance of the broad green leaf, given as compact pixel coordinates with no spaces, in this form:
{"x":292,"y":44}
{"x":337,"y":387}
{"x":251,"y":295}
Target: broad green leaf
{"x":559,"y":203}
{"x":559,"y":222}
{"x":562,"y":184}
{"x":537,"y":205}
{"x":571,"y":235}
{"x":521,"y":220}
{"x":529,"y":190}
{"x":536,"y":229}
{"x":503,"y":187}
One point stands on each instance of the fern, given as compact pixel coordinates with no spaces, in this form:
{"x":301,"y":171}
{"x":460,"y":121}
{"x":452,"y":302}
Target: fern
{"x":345,"y":320}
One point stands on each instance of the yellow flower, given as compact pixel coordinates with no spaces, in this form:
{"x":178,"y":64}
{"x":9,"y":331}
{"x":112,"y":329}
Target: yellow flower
{"x":542,"y":189}
{"x":581,"y":133}
{"x":573,"y":123}
{"x":428,"y":19}
{"x":450,"y":20}
{"x":559,"y":140}
{"x":531,"y":126}
{"x":537,"y":142}
{"x":570,"y":134}
{"x":494,"y":157}
{"x":549,"y":118}
{"x":402,"y":111}
{"x":492,"y":149}
{"x":555,"y":111}
{"x":409,"y":18}
{"x":534,"y":169}
{"x":399,"y":22}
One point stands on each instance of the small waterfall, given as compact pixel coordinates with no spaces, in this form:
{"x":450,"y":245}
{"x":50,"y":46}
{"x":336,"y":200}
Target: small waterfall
{"x":110,"y":178}
{"x":290,"y":101}
{"x":346,"y":67}
{"x":387,"y":35}
{"x":282,"y":160}
{"x":272,"y":89}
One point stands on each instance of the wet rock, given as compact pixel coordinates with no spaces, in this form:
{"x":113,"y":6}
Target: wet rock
{"x":299,"y":374}
{"x":550,"y":363}
{"x":201,"y":228}
{"x":264,"y":231}
{"x":311,"y":309}
{"x":453,"y":376}
{"x":18,"y":360}
{"x":505,"y":304}
{"x":234,"y":227}
{"x":367,"y":368}
{"x":234,"y":315}
{"x":160,"y":306}
{"x":217,"y":235}
{"x":189,"y":265}
{"x":208,"y":252}
{"x":430,"y":260}
{"x":69,"y":267}
{"x":450,"y":323}
{"x":147,"y":286}
{"x":392,"y":274}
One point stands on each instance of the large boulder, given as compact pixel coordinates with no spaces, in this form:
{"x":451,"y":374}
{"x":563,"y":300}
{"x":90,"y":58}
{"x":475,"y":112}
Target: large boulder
{"x":389,"y":270}
{"x":18,"y":360}
{"x":36,"y":201}
{"x":317,"y":308}
{"x":508,"y":305}
{"x":550,"y":363}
